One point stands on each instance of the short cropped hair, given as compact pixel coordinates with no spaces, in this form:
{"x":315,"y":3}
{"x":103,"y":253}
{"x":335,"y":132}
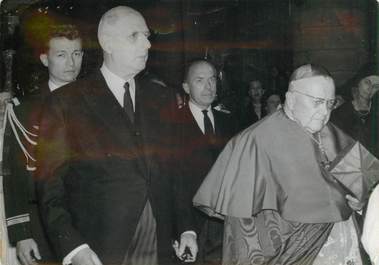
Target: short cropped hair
{"x":194,"y":63}
{"x":306,"y":71}
{"x":68,"y":31}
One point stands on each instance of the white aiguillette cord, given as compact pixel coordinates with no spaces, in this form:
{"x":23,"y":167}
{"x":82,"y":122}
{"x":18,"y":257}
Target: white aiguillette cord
{"x":16,"y":128}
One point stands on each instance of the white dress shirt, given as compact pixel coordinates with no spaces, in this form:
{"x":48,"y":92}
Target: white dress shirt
{"x":199,"y":116}
{"x":52,"y":86}
{"x":370,"y":234}
{"x":116,"y":85}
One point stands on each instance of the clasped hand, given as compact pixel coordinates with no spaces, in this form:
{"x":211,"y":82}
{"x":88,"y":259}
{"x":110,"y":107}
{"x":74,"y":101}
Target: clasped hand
{"x":354,"y":203}
{"x":187,"y":241}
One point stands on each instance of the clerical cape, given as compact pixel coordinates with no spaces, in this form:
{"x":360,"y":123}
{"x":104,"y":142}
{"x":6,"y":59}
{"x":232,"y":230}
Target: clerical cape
{"x":272,"y":171}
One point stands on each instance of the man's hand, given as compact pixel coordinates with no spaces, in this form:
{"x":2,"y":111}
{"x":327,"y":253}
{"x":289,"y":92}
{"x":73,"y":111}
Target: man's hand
{"x":354,"y":203}
{"x":187,"y":240}
{"x":27,"y":251}
{"x":86,"y":257}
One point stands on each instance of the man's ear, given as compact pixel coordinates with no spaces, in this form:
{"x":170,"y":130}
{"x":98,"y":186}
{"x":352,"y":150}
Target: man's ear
{"x":44,"y":60}
{"x":290,"y":99}
{"x":186,"y":88}
{"x":106,"y":42}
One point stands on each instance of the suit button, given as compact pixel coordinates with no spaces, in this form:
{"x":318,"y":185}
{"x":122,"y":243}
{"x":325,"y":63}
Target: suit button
{"x":137,"y":133}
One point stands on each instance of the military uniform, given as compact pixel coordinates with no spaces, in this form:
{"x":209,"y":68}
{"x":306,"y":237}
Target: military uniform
{"x":21,"y":205}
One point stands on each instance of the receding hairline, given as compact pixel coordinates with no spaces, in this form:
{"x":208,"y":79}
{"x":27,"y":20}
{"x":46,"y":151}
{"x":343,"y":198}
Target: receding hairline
{"x":196,"y":63}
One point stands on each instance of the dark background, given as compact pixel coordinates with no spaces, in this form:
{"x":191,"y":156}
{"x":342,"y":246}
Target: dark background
{"x":246,"y":39}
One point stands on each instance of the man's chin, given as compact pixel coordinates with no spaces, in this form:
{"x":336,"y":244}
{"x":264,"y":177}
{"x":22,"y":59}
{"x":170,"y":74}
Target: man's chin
{"x":141,"y":62}
{"x":69,"y":77}
{"x":69,"y":80}
{"x":315,"y":128}
{"x":140,"y":67}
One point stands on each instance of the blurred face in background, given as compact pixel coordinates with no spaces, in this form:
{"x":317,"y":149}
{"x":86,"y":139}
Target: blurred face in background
{"x":256,"y":90}
{"x":272,"y":103}
{"x":367,"y":87}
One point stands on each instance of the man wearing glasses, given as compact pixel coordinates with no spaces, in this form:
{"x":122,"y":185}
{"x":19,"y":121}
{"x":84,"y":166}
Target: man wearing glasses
{"x":283,"y":185}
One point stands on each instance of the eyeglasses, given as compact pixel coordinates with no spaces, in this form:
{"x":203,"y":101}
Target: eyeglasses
{"x":330,"y":103}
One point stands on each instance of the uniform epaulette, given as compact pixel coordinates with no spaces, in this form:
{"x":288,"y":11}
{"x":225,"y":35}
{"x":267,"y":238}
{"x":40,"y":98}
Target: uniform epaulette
{"x":159,"y":82}
{"x":18,"y":128}
{"x":222,"y":109}
{"x":15,"y":101}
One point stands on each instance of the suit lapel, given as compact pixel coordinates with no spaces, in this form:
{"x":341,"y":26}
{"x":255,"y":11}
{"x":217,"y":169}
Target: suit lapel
{"x":217,"y":123}
{"x":190,"y":119}
{"x":140,"y":125}
{"x":191,"y":130}
{"x":105,"y":106}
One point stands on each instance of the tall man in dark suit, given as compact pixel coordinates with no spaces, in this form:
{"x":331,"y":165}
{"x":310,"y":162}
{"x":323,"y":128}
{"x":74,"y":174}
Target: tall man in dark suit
{"x":203,"y":132}
{"x":62,"y":54}
{"x":105,"y":192}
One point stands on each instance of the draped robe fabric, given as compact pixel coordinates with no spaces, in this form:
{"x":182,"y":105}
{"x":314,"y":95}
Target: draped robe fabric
{"x":269,"y":178}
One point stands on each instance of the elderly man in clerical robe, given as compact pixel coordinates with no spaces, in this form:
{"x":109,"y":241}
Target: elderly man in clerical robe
{"x":288,"y":185}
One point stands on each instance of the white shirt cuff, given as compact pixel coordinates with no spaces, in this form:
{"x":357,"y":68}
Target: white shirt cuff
{"x":69,"y":256}
{"x":190,"y":232}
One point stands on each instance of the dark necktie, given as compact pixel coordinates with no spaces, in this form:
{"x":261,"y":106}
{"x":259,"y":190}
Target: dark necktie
{"x":208,"y":128}
{"x":128,"y":103}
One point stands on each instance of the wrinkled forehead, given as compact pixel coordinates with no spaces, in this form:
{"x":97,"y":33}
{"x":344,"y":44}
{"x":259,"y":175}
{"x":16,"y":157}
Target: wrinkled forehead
{"x":316,"y":86}
{"x":132,"y":22}
{"x":201,"y":69}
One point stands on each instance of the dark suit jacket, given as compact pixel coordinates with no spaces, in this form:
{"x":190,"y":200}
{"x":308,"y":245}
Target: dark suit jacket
{"x":360,"y":128}
{"x":248,"y":115}
{"x":21,"y":208}
{"x":97,"y":169}
{"x":196,"y":154}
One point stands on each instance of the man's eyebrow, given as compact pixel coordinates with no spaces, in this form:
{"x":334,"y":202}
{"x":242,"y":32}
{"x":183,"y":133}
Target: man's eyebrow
{"x":146,"y":33}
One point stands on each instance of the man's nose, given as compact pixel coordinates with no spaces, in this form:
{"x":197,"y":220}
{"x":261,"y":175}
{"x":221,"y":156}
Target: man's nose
{"x":210,"y":85}
{"x":146,"y":42}
{"x":70,"y":61}
{"x":324,"y":110}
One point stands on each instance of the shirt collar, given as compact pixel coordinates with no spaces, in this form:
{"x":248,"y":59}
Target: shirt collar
{"x":52,"y":86}
{"x":116,"y":85}
{"x":196,"y":108}
{"x":199,"y":116}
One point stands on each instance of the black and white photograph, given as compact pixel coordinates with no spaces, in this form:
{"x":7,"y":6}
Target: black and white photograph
{"x":205,"y":132}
